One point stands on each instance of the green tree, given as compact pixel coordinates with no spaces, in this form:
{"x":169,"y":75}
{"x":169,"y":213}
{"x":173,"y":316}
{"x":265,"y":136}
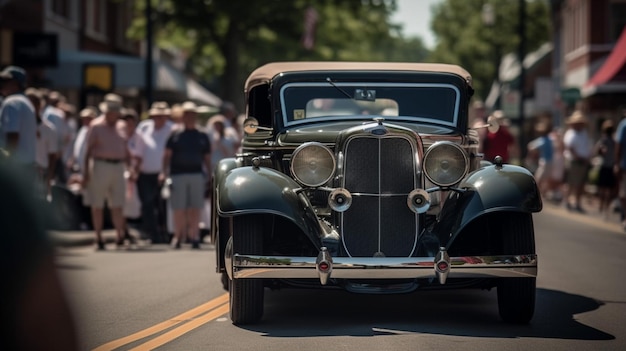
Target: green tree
{"x":464,"y":38}
{"x":228,"y":39}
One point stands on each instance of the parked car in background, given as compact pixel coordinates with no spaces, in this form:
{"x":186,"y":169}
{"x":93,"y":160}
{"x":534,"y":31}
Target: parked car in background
{"x":367,"y":177}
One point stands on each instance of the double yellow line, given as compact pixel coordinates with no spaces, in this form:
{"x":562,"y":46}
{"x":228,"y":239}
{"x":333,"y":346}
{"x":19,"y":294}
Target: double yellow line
{"x":190,"y":320}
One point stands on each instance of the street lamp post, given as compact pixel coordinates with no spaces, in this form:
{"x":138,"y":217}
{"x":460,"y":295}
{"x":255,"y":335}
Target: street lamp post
{"x":149,"y":42}
{"x":522,"y":75}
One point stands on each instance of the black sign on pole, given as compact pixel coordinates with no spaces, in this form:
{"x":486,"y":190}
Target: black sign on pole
{"x":35,"y":49}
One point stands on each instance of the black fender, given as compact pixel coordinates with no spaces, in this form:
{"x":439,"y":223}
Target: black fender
{"x":489,"y":189}
{"x":260,"y":190}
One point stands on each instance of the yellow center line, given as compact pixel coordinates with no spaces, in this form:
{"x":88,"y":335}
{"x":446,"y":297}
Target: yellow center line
{"x":183,"y":329}
{"x":196,"y":311}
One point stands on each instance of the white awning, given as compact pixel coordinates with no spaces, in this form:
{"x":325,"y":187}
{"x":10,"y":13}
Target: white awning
{"x":128,"y":72}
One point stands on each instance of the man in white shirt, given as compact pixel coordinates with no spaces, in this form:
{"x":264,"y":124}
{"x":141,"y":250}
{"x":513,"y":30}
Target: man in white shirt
{"x":46,"y":146}
{"x":155,"y":132}
{"x":78,"y":150}
{"x":578,"y":148}
{"x":18,"y":123}
{"x":56,"y":117}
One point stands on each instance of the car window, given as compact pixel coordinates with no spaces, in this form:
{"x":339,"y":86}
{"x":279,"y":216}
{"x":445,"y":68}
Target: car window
{"x":436,"y":103}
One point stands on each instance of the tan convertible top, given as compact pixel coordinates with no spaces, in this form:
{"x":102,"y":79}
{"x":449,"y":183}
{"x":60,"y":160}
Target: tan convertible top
{"x":266,"y":72}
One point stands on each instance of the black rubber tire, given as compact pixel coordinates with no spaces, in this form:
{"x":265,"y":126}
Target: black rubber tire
{"x":516,"y":296}
{"x":246,"y":295}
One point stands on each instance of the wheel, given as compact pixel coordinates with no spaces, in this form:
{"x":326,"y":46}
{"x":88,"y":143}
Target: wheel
{"x":246,"y":295}
{"x":516,"y":296}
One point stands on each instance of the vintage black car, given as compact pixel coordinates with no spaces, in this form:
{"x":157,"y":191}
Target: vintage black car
{"x":367,"y":177}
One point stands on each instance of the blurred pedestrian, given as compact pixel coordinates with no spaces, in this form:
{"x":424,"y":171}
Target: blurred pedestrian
{"x":103,"y":172}
{"x":223,"y":145}
{"x":605,"y":149}
{"x":18,"y":123}
{"x":578,"y":147}
{"x":187,"y":158}
{"x":56,"y":116}
{"x":479,"y":120}
{"x":46,"y":147}
{"x":502,"y":142}
{"x":620,"y":164}
{"x":77,"y":162}
{"x":542,"y":150}
{"x":154,"y":134}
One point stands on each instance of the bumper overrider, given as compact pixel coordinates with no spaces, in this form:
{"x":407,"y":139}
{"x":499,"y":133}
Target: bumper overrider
{"x":325,"y":267}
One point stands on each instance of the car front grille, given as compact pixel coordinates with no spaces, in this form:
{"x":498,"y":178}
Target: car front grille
{"x":379,"y":172}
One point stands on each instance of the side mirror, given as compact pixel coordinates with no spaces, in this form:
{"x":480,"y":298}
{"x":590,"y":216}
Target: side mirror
{"x":251,"y":125}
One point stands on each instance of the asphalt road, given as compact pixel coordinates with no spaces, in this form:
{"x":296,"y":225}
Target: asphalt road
{"x":155,"y":297}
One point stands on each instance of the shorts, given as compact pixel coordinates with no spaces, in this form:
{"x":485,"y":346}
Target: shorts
{"x":106,"y":184}
{"x":606,"y":177}
{"x":187,"y":191}
{"x":577,"y":173}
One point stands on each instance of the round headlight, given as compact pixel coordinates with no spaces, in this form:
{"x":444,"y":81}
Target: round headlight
{"x":312,"y":164}
{"x":445,"y":163}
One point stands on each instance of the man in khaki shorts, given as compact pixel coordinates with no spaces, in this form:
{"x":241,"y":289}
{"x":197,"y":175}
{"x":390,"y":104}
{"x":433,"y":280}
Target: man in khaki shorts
{"x":106,"y":157}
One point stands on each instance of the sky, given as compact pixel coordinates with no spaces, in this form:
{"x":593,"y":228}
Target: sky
{"x":415,"y":17}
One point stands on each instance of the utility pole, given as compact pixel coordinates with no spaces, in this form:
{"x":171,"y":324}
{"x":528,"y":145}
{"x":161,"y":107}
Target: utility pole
{"x":521,"y":53}
{"x":149,"y":44}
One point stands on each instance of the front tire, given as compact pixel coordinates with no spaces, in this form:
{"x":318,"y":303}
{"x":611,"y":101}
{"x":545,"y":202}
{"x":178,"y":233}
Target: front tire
{"x":516,"y":296}
{"x":246,"y":295}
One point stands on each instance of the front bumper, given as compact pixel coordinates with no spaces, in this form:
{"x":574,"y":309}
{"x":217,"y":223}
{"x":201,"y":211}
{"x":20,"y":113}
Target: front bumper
{"x":325,"y":267}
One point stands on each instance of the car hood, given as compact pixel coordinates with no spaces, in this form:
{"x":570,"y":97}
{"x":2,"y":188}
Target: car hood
{"x":327,"y":132}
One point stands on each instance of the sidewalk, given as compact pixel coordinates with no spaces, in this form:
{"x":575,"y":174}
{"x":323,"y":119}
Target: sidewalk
{"x":82,"y":237}
{"x":590,"y":204}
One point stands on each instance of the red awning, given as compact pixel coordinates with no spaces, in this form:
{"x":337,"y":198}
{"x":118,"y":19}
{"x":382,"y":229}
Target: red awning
{"x":612,"y":74}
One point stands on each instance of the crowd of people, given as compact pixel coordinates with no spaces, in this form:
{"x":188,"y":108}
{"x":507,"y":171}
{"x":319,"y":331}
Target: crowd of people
{"x":117,"y":160}
{"x":567,"y":162}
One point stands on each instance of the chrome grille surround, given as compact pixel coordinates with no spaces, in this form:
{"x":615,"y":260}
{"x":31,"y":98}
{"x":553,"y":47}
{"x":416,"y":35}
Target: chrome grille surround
{"x":380,"y":170}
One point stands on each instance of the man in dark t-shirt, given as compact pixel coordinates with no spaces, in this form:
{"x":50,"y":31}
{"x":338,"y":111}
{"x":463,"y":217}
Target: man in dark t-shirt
{"x":187,"y":161}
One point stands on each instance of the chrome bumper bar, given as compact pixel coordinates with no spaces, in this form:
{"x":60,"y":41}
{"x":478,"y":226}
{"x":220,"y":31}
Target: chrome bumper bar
{"x":324,"y":267}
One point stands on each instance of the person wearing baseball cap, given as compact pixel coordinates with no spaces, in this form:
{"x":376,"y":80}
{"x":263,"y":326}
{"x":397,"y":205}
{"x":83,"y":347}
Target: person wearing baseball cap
{"x":18,"y":122}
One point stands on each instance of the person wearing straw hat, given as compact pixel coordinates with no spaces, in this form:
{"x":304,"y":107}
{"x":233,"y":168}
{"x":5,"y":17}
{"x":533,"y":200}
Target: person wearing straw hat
{"x":154,"y":131}
{"x":106,"y":157}
{"x":578,"y":148}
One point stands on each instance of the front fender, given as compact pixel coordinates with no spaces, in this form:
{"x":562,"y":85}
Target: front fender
{"x":248,"y":190}
{"x":488,"y":189}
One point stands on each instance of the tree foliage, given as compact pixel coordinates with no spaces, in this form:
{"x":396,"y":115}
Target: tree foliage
{"x":464,"y":38}
{"x":228,"y":39}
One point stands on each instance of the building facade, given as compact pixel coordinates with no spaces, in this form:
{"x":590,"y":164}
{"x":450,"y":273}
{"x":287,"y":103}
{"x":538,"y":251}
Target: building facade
{"x":81,"y":48}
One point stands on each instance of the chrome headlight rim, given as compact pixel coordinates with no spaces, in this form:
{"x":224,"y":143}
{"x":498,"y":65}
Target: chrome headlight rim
{"x":323,"y":180}
{"x":458,"y":148}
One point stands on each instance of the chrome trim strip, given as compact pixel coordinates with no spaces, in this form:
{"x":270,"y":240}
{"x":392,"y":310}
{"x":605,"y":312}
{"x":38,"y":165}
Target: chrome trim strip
{"x":248,"y":266}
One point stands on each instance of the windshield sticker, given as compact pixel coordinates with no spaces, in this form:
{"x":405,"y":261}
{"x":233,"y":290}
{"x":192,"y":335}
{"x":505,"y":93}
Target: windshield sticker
{"x":298,"y":114}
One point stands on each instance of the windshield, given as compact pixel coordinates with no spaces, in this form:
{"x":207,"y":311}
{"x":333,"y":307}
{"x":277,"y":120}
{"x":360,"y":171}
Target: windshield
{"x":435,"y":103}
